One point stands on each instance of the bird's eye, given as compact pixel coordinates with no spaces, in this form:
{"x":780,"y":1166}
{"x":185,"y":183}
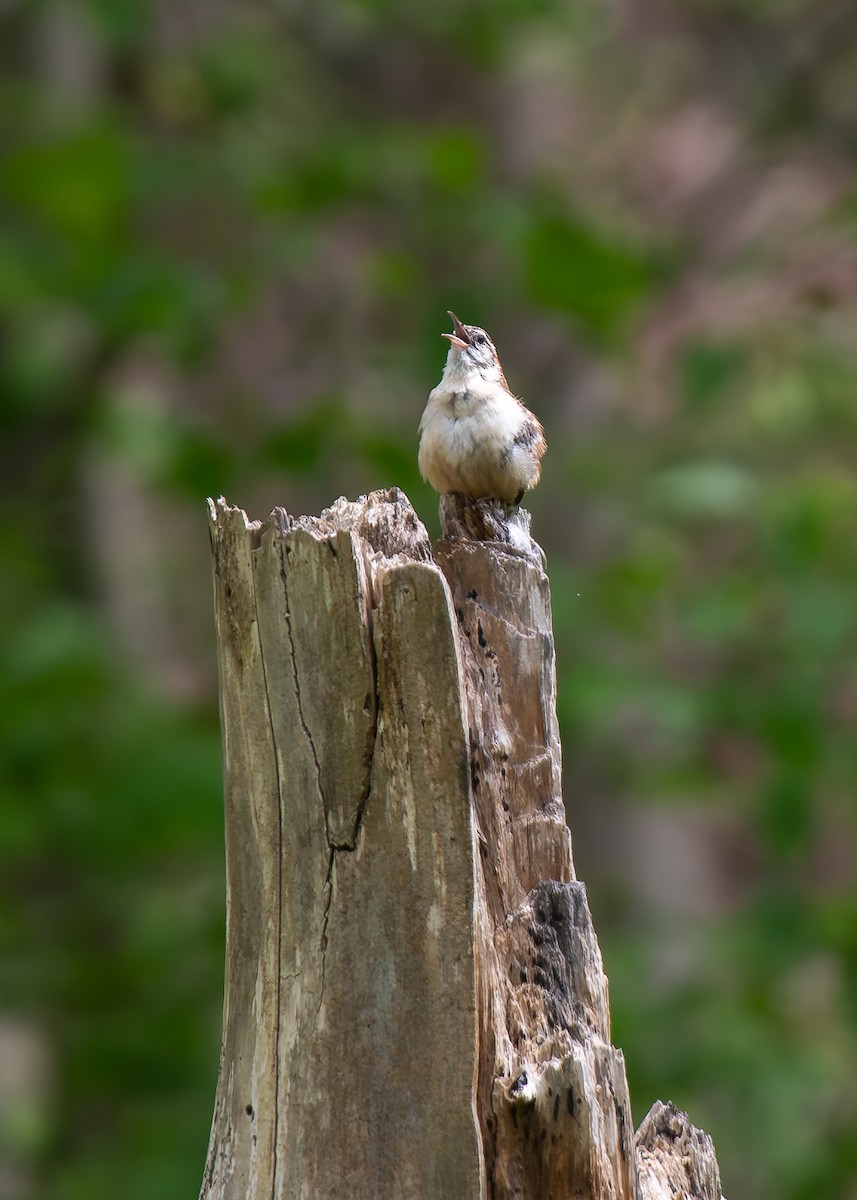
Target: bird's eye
{"x":480,"y":339}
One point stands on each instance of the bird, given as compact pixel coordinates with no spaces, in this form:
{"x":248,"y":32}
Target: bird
{"x":476,"y":437}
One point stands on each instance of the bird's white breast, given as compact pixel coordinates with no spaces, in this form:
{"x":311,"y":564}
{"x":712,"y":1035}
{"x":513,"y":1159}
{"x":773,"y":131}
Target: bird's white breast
{"x":467,"y":439}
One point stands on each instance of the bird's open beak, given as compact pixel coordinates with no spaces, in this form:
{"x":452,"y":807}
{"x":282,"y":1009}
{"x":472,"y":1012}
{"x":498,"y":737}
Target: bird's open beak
{"x":459,"y":338}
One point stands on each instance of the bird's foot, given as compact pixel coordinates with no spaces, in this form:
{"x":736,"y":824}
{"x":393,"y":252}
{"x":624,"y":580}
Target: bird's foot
{"x":488,"y":520}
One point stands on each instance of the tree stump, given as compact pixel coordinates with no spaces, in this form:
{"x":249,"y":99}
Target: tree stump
{"x":415,"y":1004}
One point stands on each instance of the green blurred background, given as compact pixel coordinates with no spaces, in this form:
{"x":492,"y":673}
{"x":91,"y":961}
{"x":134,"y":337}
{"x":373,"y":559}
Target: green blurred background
{"x":229,"y":234}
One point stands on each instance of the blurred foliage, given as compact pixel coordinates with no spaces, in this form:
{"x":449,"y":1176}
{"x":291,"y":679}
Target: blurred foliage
{"x":229,"y":236}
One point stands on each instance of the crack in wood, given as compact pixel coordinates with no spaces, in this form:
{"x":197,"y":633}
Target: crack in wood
{"x":284,"y":551}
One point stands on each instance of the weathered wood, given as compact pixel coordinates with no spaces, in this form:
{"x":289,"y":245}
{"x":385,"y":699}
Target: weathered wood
{"x":241,"y":1151}
{"x":349,"y":1017}
{"x":415,"y":1002}
{"x":676,"y":1159}
{"x":552,"y":1096}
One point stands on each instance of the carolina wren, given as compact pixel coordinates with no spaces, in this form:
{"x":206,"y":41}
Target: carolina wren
{"x":476,"y":437}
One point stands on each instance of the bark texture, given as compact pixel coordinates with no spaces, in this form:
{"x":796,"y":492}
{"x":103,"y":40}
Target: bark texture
{"x":415,"y":1004}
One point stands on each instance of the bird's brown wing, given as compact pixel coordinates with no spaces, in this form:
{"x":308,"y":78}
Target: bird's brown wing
{"x":531,"y":436}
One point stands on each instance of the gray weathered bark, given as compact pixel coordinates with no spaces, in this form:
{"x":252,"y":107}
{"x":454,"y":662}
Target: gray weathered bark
{"x":415,"y":1002}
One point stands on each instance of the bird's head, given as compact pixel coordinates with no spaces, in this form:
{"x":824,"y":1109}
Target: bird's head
{"x":471,"y":349}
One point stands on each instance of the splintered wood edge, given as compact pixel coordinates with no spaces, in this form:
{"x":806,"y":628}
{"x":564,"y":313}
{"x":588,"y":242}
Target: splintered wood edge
{"x":674,"y":1157}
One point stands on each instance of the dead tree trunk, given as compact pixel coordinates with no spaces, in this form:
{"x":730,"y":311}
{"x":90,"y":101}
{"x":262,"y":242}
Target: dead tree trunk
{"x":415,"y":1003}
